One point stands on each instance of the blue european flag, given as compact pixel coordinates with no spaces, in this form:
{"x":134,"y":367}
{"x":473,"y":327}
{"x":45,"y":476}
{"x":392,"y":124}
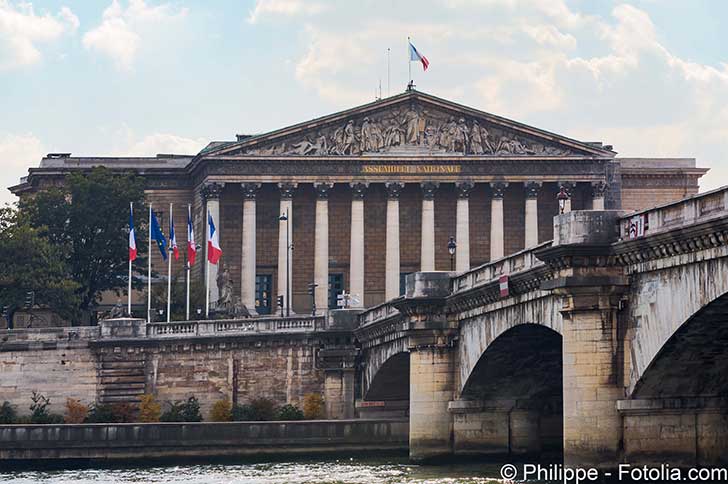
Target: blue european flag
{"x":159,"y":236}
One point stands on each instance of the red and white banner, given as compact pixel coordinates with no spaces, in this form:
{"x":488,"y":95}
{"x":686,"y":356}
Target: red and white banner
{"x":503,"y":284}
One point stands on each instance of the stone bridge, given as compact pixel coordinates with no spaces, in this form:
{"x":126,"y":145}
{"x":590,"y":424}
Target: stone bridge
{"x":606,"y":344}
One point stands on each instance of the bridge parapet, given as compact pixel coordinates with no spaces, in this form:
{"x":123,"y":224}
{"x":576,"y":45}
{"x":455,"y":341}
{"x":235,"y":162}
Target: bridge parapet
{"x":699,"y":208}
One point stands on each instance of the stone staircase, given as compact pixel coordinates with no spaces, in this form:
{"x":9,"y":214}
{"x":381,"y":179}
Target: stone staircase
{"x":121,"y":378}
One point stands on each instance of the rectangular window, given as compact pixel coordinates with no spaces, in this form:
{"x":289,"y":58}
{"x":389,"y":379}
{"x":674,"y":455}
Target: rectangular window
{"x":336,"y":287}
{"x":263,"y":286}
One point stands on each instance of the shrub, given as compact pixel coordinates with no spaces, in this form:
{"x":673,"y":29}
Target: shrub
{"x":188,"y":411}
{"x":39,"y":410}
{"x":242,"y":413}
{"x":76,"y":411}
{"x":289,"y":412}
{"x":149,"y":409}
{"x":100,"y":413}
{"x":313,"y":406}
{"x":173,"y":413}
{"x":263,"y":409}
{"x":8,"y":414}
{"x":124,"y":412}
{"x":221,"y":411}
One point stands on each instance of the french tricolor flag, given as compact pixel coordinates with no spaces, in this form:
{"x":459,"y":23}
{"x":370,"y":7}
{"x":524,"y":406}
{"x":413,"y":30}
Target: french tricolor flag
{"x":132,"y":236}
{"x":214,"y":252}
{"x":191,"y":247}
{"x":416,"y":56}
{"x":173,"y":238}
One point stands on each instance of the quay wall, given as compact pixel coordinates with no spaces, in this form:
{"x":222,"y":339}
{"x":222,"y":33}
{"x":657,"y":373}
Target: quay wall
{"x":106,"y":442}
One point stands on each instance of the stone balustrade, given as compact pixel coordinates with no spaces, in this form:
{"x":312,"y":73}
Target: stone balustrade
{"x":704,"y":207}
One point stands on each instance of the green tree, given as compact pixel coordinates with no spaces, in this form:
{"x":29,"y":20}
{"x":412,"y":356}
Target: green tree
{"x":31,"y":262}
{"x":86,"y":222}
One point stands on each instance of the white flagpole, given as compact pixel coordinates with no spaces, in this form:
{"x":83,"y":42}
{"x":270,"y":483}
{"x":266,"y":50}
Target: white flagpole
{"x":388,"y":72}
{"x":169,"y":269}
{"x":149,"y":270}
{"x":409,"y":62}
{"x":128,"y":304}
{"x":207,"y":266}
{"x":187,"y":300}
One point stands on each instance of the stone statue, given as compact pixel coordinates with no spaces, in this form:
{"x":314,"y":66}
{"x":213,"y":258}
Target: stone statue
{"x":412,"y":123}
{"x":117,"y":311}
{"x":224,"y":287}
{"x":459,"y":136}
{"x":479,"y":143}
{"x":349,"y":143}
{"x":370,"y":136}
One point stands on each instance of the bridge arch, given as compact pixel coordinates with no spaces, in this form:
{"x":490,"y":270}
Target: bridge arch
{"x":693,"y":361}
{"x":669,"y":310}
{"x":391,"y":382}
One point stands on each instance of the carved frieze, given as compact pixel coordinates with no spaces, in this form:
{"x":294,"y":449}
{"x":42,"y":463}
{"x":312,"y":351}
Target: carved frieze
{"x":411,"y":130}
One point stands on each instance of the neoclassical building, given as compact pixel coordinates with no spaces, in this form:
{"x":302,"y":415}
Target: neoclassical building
{"x":376,"y":192}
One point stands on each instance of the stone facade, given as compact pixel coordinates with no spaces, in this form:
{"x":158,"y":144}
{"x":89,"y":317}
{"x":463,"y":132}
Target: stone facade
{"x":411,"y":139}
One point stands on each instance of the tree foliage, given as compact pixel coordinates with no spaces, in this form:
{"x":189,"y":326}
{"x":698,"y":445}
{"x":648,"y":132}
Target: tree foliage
{"x":31,"y":262}
{"x":70,"y":243}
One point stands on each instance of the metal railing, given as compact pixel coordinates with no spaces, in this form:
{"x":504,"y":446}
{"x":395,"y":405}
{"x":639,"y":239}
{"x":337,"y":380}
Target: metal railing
{"x":235,"y":326}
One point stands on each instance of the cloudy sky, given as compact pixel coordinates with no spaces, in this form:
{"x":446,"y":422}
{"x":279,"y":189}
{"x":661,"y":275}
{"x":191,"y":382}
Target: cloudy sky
{"x":138,"y":77}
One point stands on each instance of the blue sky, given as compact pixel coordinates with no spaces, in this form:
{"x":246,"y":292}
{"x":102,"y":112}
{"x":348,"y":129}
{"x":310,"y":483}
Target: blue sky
{"x":138,"y":77}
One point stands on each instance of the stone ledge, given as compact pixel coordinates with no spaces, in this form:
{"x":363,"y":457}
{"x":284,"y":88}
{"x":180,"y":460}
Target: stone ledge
{"x":672,"y":405}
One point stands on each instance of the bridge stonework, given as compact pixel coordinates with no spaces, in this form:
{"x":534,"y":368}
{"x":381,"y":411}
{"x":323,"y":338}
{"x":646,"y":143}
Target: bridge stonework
{"x":609,"y":345}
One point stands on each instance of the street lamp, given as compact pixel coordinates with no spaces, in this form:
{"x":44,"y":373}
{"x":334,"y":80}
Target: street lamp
{"x":451,"y":247}
{"x":284,"y":218}
{"x":562,"y":197}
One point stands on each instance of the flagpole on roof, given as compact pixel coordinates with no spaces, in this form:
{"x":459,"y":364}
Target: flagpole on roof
{"x":131,"y":228}
{"x":169,"y":267}
{"x":187,"y":300}
{"x":388,"y":72}
{"x":409,"y":63}
{"x":149,"y":270}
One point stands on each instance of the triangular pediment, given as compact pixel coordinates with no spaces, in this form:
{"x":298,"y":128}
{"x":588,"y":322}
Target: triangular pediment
{"x":410,"y":124}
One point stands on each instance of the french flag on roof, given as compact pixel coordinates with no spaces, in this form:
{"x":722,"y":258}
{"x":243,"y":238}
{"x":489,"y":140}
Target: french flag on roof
{"x":214,"y":252}
{"x":416,"y":56}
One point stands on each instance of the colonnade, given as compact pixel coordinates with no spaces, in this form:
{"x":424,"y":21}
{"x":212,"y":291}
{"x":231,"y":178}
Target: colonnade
{"x":392,"y":244}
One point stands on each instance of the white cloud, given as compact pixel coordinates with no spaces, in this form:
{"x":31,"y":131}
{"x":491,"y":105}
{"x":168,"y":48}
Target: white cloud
{"x":123,"y":31}
{"x":165,"y":143}
{"x":18,"y":152}
{"x":284,"y":8}
{"x":22,"y":30}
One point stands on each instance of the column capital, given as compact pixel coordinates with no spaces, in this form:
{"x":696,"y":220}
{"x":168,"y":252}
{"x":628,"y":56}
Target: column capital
{"x":498,"y":189}
{"x":532,"y":188}
{"x":393,"y":189}
{"x":211,"y":191}
{"x":428,"y":190}
{"x":464,"y":189}
{"x":322,"y":190}
{"x":250,"y":190}
{"x":598,"y":189}
{"x":358,"y":189}
{"x":286,"y":189}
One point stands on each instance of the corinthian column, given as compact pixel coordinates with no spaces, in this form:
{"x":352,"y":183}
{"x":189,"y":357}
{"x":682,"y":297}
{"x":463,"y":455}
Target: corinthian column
{"x":532,"y":214}
{"x":321,"y":247}
{"x":598,"y":190}
{"x":211,"y":194}
{"x":462,"y":227}
{"x":356,"y":254}
{"x":248,"y":263}
{"x":496,"y":220}
{"x":285,"y":237}
{"x":391,"y":271}
{"x":427,"y":248}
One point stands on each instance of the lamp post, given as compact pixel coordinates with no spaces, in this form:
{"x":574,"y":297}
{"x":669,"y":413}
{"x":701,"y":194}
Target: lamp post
{"x":289,"y":247}
{"x":451,"y":247}
{"x":562,"y":197}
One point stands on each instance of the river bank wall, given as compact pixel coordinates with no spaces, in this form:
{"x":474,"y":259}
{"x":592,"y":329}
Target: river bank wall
{"x":31,"y":444}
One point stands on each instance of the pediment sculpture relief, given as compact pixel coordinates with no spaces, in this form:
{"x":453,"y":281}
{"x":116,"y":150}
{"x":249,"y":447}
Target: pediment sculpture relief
{"x":414,"y":129}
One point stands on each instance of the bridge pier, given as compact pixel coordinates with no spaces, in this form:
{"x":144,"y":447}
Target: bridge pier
{"x":591,"y":288}
{"x":433,"y":363}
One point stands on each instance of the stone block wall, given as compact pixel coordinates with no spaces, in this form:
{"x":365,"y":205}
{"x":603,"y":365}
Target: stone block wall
{"x":58,"y":372}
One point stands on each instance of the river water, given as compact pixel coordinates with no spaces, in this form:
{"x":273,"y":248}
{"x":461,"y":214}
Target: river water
{"x":341,"y":471}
